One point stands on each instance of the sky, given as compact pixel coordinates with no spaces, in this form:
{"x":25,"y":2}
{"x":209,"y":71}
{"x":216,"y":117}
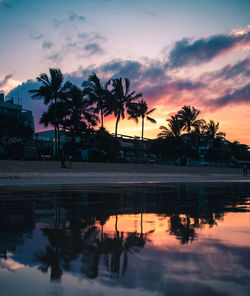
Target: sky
{"x":183,"y":52}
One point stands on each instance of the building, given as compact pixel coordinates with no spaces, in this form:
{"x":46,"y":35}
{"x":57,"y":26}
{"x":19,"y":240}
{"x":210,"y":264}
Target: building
{"x":10,"y":107}
{"x":13,"y":108}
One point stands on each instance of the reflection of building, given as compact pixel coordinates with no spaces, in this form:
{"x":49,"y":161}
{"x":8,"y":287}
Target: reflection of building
{"x":13,"y":108}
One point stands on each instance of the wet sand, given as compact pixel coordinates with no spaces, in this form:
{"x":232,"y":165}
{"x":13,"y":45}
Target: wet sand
{"x":50,"y":172}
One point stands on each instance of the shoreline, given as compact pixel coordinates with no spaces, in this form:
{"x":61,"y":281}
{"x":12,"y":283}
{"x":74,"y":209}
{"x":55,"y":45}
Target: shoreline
{"x":34,"y":173}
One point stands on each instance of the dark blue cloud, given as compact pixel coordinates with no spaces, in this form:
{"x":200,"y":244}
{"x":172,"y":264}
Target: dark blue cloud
{"x":93,"y":48}
{"x":232,"y":71}
{"x":165,"y":88}
{"x":186,"y":52}
{"x":117,"y":68}
{"x":239,"y":96}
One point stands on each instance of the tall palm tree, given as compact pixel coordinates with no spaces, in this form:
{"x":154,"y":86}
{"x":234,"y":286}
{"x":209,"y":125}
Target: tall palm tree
{"x":211,"y":130}
{"x":98,"y":94}
{"x":80,"y":114}
{"x":48,"y":117}
{"x":120,"y":98}
{"x":50,"y":91}
{"x":140,"y":110}
{"x":175,"y":126}
{"x":188,"y":115}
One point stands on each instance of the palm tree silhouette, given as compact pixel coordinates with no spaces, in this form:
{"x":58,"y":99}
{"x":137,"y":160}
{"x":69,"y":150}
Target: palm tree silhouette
{"x":48,"y":117}
{"x":80,"y":114}
{"x":50,"y":90}
{"x":175,"y":126}
{"x":98,"y":94}
{"x":120,"y":98}
{"x":211,"y":130}
{"x":188,"y":116}
{"x":140,"y":110}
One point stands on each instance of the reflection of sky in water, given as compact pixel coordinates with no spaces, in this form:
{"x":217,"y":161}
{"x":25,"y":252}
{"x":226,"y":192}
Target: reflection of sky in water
{"x":213,"y":260}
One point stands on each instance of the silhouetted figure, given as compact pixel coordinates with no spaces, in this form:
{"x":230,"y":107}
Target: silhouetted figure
{"x":62,"y":159}
{"x":244,"y":167}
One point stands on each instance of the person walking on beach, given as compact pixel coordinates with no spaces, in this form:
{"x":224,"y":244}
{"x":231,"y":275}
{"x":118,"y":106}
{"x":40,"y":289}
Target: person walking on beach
{"x":62,"y":159}
{"x":244,"y":167}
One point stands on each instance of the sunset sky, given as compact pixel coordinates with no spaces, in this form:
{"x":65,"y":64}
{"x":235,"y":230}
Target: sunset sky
{"x":175,"y":52}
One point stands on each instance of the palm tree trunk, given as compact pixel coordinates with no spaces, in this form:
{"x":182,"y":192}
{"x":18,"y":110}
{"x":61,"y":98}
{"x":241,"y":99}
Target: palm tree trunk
{"x":116,"y":222}
{"x":56,"y":130}
{"x":59,"y":149}
{"x":101,"y":119}
{"x":142,"y":138}
{"x":55,"y":142}
{"x":116,"y":124}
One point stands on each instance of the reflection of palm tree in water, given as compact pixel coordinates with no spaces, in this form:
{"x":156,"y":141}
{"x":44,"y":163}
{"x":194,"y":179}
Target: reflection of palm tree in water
{"x":118,"y":246}
{"x":183,"y":230}
{"x":83,"y":238}
{"x":65,"y":246}
{"x":50,"y":260}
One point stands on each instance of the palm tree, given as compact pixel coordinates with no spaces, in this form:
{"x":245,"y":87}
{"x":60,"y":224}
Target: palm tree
{"x":211,"y":130}
{"x":80,"y":114}
{"x":175,"y":126}
{"x":120,"y":98}
{"x":50,"y":90}
{"x":170,"y":137}
{"x":48,"y":117}
{"x":140,"y":109}
{"x":97,"y":94}
{"x":188,"y":115}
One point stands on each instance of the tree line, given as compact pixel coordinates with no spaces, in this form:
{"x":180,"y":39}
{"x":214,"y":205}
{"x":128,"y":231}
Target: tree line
{"x":77,"y":111}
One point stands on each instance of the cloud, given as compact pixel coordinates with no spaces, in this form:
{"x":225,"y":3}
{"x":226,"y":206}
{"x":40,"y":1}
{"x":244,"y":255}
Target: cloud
{"x":37,"y":36}
{"x":90,"y":37}
{"x":171,"y":90}
{"x":72,"y":17}
{"x":232,"y":71}
{"x":81,"y":45}
{"x":118,"y":68}
{"x":93,"y":48}
{"x":83,"y":35}
{"x":47,"y":44}
{"x":4,"y":81}
{"x":54,"y":57}
{"x":148,"y":77}
{"x":187,"y":52}
{"x":239,"y":96}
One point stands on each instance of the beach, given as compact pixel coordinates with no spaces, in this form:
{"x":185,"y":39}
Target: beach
{"x":50,"y":172}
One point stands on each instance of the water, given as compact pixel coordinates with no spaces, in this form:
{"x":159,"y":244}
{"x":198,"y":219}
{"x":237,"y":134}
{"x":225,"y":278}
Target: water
{"x":148,"y":239}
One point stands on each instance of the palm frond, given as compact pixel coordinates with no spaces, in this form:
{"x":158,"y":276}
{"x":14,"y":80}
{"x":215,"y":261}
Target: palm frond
{"x":151,"y":119}
{"x":151,"y":111}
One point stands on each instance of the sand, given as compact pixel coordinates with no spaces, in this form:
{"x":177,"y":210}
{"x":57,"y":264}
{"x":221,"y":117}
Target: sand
{"x":49,"y":172}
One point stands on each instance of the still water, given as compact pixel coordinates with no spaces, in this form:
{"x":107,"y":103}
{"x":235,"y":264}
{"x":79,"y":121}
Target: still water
{"x":142,"y":239}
